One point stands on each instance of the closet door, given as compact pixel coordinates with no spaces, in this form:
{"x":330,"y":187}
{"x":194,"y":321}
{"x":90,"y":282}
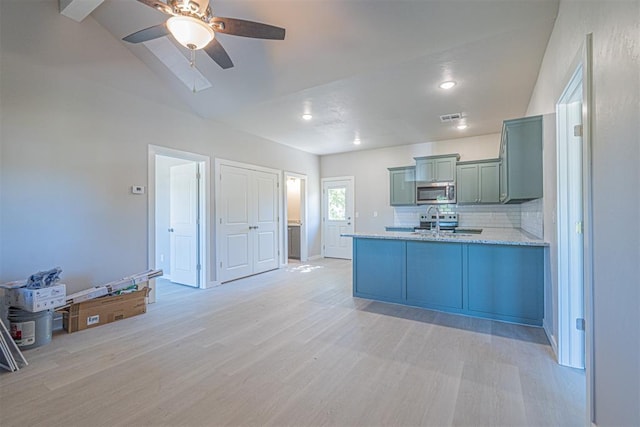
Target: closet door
{"x":234,"y":223}
{"x":247,"y":222}
{"x":265,"y":221}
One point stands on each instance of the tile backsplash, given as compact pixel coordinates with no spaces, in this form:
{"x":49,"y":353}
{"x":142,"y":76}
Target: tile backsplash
{"x":532,"y":217}
{"x":527,"y":216}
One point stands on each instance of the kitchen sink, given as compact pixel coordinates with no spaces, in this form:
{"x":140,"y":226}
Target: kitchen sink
{"x":468,"y":230}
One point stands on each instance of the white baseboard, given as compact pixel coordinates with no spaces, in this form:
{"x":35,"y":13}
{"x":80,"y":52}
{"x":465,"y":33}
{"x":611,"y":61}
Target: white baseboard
{"x":314,"y":257}
{"x":213,"y":284}
{"x":551,"y":338}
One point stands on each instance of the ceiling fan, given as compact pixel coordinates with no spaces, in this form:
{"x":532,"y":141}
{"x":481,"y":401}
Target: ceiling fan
{"x":193,"y":25}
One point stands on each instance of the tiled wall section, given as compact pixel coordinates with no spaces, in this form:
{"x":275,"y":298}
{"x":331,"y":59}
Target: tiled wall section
{"x":531,"y":217}
{"x":504,"y":216}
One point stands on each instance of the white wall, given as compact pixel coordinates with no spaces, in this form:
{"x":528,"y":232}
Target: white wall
{"x":616,"y":179}
{"x":293,"y":200}
{"x":78,"y":114}
{"x":369,"y":167}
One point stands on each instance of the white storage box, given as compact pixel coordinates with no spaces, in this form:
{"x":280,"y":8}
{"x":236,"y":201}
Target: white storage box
{"x":35,"y":300}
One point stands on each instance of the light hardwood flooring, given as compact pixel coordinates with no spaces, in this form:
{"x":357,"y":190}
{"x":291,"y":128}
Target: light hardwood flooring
{"x":293,"y":347}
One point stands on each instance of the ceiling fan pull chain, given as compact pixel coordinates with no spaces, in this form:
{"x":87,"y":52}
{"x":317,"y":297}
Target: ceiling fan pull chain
{"x":192,"y":63}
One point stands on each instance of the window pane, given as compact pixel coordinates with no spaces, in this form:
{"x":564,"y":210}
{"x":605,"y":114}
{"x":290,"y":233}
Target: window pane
{"x":337,"y":204}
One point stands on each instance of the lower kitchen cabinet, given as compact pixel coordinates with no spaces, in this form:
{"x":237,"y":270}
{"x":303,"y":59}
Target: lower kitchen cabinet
{"x":501,"y":282}
{"x":434,"y":274}
{"x":379,"y":269}
{"x":505,"y":282}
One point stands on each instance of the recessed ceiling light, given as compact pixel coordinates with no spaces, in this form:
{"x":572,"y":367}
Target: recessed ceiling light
{"x":462,"y":126}
{"x":357,"y":141}
{"x":447,"y":85}
{"x":307,"y":116}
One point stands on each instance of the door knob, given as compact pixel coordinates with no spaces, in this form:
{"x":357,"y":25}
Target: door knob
{"x":171,"y":230}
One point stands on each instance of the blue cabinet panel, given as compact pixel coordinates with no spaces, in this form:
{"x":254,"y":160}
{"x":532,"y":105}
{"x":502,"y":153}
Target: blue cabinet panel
{"x":434,"y":274}
{"x":379,"y":269}
{"x":507,"y":282}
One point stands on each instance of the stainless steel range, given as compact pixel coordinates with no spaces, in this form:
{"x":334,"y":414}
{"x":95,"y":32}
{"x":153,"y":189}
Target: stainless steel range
{"x":448,"y":221}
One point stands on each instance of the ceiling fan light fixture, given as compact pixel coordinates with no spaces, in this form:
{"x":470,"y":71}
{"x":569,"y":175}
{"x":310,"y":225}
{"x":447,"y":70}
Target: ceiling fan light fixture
{"x":190,"y":32}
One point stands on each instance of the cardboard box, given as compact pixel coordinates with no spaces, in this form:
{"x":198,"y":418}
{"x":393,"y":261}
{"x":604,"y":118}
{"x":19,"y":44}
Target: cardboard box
{"x":99,"y":311}
{"x":35,"y":300}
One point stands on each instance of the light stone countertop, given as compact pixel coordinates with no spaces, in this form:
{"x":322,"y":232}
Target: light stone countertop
{"x":489,"y":236}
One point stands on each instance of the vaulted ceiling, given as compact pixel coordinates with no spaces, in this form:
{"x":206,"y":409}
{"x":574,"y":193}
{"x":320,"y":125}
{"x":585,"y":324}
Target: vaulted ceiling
{"x":366,"y":69}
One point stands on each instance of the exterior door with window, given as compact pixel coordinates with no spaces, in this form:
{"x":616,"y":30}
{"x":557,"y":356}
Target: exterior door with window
{"x":337,"y":217}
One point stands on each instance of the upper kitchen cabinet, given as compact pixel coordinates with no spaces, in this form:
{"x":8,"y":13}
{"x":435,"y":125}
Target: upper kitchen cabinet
{"x":436,"y":168}
{"x":478,"y":181}
{"x":521,"y":160}
{"x":402,"y":186}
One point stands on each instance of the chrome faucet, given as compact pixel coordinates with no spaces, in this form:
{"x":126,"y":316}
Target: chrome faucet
{"x":437,"y":218}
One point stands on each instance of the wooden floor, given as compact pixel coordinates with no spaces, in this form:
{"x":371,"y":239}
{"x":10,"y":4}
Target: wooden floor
{"x":293,"y":347}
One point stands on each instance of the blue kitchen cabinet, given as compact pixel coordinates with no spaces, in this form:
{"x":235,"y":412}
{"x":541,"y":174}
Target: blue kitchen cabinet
{"x":506,"y":282}
{"x":436,"y":168}
{"x":402,"y":186}
{"x":521,"y":160}
{"x":434,"y":275}
{"x":494,"y":281}
{"x":478,"y":181}
{"x":379,"y":269}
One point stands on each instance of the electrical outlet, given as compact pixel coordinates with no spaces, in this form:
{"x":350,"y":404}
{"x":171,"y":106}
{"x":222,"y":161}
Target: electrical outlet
{"x":375,"y":214}
{"x":137,"y":189}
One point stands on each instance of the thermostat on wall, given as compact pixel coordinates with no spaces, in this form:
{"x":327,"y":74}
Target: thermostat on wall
{"x":137,"y":189}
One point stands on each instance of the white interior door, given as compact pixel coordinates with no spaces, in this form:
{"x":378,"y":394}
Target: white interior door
{"x":234,"y":223}
{"x":265,"y":221}
{"x":337,"y":217}
{"x":248,"y":224}
{"x":183,"y":218}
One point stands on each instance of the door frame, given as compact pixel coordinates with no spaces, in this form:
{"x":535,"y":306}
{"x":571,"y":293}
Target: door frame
{"x":205,"y":210}
{"x":584,"y":59}
{"x":304,"y":254}
{"x":217,"y":193}
{"x":570,"y":280}
{"x":323,"y":205}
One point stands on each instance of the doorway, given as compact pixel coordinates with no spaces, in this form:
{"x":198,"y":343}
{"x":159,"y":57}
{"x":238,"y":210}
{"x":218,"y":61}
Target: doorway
{"x":571,"y":336}
{"x":178,"y":215}
{"x":295,"y":211}
{"x":337,"y":217}
{"x":575,"y":229}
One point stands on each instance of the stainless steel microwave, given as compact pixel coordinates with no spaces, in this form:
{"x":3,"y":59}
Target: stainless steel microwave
{"x":432,"y":193}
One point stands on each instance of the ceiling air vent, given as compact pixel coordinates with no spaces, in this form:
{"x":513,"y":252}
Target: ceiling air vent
{"x":446,"y":118}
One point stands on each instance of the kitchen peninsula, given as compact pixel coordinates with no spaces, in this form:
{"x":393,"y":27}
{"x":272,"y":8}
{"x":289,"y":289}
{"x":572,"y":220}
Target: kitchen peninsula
{"x":498,"y":274}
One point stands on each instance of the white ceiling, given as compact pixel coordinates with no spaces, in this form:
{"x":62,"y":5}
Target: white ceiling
{"x":367,"y":68}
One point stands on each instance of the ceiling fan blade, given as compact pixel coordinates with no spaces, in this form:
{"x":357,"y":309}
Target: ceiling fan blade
{"x":148,"y":34}
{"x":215,"y":50}
{"x":240,"y":27}
{"x":156,"y":4}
